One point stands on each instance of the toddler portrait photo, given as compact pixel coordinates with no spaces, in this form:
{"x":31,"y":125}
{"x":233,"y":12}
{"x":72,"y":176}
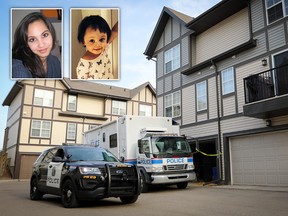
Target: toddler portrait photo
{"x":94,"y":44}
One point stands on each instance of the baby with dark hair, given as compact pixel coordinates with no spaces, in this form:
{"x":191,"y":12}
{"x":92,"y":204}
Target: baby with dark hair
{"x":96,"y":36}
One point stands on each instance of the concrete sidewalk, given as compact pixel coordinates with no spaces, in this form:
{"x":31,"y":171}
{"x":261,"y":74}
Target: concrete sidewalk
{"x":240,"y":187}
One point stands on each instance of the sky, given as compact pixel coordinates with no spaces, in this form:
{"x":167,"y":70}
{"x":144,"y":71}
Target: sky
{"x":138,"y":19}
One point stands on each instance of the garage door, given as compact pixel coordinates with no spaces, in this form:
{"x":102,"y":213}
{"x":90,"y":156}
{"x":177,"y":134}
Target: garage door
{"x":260,"y":159}
{"x":26,"y":166}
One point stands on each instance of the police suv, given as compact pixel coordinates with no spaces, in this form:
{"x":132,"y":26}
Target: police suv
{"x":81,"y":172}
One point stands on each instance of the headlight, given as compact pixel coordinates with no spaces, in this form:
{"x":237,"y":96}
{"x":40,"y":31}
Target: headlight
{"x":89,"y":170}
{"x":190,"y":167}
{"x":157,"y":169}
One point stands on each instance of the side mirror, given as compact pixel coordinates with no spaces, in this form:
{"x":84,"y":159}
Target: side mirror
{"x":122,"y":159}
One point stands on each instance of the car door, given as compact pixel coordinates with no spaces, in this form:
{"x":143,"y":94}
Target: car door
{"x":43,"y":167}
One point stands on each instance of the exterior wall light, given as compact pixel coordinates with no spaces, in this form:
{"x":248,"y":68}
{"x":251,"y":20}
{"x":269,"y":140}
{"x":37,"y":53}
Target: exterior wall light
{"x":264,"y":62}
{"x":268,"y":123}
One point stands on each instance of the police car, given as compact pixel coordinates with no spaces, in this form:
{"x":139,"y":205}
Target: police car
{"x":81,"y":172}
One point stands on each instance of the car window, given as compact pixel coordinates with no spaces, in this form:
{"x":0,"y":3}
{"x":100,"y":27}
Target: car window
{"x":49,"y":156}
{"x":40,"y":158}
{"x":90,"y":154}
{"x":60,"y":153}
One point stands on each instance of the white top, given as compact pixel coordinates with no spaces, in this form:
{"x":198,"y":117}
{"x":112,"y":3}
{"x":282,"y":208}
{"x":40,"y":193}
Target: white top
{"x":98,"y":68}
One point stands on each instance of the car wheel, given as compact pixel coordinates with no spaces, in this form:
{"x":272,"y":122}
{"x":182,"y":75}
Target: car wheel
{"x":35,"y":194}
{"x":68,"y":196}
{"x":129,"y":199}
{"x":182,"y":185}
{"x":144,"y":185}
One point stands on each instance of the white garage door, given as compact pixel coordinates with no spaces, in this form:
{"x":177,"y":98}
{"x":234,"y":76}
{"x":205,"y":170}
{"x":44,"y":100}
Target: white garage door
{"x":260,"y":159}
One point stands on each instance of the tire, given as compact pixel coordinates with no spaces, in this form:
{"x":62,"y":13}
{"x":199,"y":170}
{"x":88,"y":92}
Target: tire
{"x":35,"y":193}
{"x":144,"y":185}
{"x":182,"y":185}
{"x":68,"y":195}
{"x":129,"y":199}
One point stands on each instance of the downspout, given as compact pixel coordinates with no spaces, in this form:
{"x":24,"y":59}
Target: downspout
{"x":218,"y":118}
{"x":250,"y":19}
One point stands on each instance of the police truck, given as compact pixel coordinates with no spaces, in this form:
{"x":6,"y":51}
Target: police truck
{"x":154,"y":144}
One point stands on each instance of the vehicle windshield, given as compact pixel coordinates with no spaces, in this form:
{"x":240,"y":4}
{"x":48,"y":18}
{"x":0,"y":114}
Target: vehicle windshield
{"x":90,"y":154}
{"x":170,"y":146}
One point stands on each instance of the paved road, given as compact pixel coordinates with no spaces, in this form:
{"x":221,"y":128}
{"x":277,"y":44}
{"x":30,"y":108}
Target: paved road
{"x":195,"y":200}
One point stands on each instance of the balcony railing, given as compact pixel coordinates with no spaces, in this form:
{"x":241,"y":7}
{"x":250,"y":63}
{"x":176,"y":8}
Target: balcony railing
{"x":270,"y":83}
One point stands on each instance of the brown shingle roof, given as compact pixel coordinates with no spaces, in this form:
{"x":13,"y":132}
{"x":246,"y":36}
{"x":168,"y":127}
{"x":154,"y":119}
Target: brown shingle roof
{"x":97,"y":89}
{"x":88,"y":88}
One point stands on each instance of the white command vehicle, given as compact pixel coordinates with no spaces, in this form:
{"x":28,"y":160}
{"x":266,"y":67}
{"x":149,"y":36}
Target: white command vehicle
{"x":153,"y":143}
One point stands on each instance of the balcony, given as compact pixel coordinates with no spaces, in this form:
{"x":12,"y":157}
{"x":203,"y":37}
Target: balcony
{"x":266,"y":93}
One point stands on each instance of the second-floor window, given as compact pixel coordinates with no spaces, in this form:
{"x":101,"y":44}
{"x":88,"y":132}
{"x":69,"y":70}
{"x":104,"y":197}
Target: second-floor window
{"x":71,"y":131}
{"x":227,"y":81}
{"x":172,"y":59}
{"x":145,"y":110}
{"x":173,"y":104}
{"x":118,"y":107}
{"x":41,"y":129}
{"x":276,"y":9}
{"x":43,"y":97}
{"x":72,"y":99}
{"x":201,"y":96}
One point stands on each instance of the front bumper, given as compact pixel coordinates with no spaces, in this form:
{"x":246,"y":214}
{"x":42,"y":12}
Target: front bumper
{"x":118,"y":182}
{"x":88,"y":190}
{"x":162,"y":178}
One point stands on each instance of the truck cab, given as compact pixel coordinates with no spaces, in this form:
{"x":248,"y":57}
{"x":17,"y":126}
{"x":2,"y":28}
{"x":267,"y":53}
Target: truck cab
{"x":165,"y":159}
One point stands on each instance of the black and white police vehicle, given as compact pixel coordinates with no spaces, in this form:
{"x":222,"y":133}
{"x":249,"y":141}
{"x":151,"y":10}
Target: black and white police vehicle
{"x":81,"y":172}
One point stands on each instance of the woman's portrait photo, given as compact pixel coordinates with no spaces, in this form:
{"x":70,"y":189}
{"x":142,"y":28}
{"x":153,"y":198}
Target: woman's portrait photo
{"x":36,"y":43}
{"x":94,"y":44}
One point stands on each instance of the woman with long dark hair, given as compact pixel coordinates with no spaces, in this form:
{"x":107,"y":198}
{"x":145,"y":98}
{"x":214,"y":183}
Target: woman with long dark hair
{"x":34,"y":39}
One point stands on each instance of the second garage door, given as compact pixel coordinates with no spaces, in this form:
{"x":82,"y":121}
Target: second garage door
{"x":260,"y":159}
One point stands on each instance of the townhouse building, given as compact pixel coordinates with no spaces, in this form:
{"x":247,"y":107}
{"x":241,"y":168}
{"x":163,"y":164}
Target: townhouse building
{"x":223,"y":76}
{"x":52,"y":112}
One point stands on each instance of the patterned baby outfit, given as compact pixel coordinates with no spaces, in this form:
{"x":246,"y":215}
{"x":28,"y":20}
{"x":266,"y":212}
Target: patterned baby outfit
{"x":98,"y":68}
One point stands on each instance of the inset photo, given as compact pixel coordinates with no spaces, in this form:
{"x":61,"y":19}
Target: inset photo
{"x":94,"y":49}
{"x":36,"y":43}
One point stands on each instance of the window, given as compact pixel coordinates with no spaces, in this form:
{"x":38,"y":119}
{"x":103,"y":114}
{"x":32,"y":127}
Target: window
{"x":49,"y":156}
{"x":40,"y":129}
{"x":201,"y":96}
{"x":172,"y":59}
{"x":145,"y":110}
{"x":227,"y":81}
{"x":72,"y":102}
{"x":144,"y":147}
{"x":43,"y":97}
{"x":113,"y":141}
{"x":119,"y":108}
{"x":71,"y":131}
{"x":173,"y":105}
{"x":276,"y":9}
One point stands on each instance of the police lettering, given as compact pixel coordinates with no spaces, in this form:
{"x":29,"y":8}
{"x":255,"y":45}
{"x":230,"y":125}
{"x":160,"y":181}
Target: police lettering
{"x":53,"y":180}
{"x":142,"y":161}
{"x":175,"y":160}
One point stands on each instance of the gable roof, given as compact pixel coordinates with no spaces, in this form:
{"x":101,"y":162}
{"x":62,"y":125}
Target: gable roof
{"x":136,"y":90}
{"x":201,"y":23}
{"x":160,"y":26}
{"x":87,"y":88}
